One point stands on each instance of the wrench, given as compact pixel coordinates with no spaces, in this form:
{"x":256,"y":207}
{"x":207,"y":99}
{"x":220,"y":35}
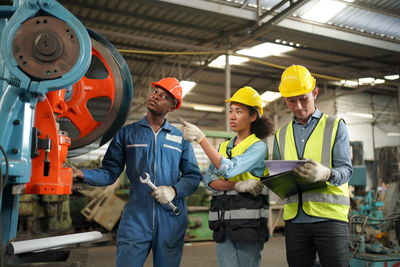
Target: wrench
{"x":147,"y":181}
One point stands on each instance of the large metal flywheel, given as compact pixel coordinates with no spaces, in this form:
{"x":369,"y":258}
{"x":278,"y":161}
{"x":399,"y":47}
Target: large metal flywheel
{"x":98,"y":104}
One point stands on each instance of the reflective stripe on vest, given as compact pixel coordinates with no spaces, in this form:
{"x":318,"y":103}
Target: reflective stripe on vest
{"x":330,"y":202}
{"x":241,"y":214}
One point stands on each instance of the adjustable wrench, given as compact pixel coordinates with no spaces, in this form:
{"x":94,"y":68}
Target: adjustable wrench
{"x":147,"y":181}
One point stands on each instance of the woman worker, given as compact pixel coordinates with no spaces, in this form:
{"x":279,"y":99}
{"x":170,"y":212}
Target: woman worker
{"x":239,"y":206}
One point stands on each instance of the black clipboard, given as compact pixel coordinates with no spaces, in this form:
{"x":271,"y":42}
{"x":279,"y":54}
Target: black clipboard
{"x":288,"y":183}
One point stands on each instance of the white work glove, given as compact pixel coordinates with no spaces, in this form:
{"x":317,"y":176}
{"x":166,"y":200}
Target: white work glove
{"x":164,"y":194}
{"x":313,"y":171}
{"x":191,"y":132}
{"x":76,"y":173}
{"x":251,"y":186}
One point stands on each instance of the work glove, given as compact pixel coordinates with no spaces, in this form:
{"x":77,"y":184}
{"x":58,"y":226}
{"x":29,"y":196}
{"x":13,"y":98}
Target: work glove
{"x":191,"y":132}
{"x":313,"y":171}
{"x":76,"y":173}
{"x":164,"y":194}
{"x":251,"y":186}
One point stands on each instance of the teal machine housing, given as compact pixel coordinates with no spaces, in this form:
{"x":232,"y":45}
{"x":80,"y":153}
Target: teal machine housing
{"x":19,"y":94}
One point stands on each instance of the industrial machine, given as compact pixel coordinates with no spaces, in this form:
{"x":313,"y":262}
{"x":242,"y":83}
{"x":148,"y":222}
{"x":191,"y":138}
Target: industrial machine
{"x":64,"y":90}
{"x":374,"y":218}
{"x":375,"y":237}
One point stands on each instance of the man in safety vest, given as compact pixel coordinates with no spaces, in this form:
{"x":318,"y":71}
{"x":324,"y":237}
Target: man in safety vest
{"x":315,"y":220}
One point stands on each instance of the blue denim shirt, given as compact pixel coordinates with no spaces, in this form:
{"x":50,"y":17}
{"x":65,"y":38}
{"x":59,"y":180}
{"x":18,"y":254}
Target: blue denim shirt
{"x":341,"y":160}
{"x":252,"y":160}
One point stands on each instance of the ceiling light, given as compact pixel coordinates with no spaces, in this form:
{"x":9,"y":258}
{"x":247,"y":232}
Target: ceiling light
{"x":323,"y":10}
{"x":219,"y":62}
{"x":392,"y":77}
{"x":265,"y":50}
{"x":270,"y":96}
{"x":362,"y":115}
{"x":349,"y":83}
{"x":367,"y":80}
{"x":379,"y":81}
{"x":393,"y":134}
{"x":187,"y":86}
{"x":278,"y":40}
{"x":209,"y":108}
{"x":203,"y":107}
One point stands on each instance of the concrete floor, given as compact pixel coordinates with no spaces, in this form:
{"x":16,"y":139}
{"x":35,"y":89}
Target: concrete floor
{"x":195,"y":254}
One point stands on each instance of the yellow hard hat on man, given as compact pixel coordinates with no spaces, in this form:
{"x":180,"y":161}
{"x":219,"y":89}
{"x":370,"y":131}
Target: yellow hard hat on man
{"x":296,"y":80}
{"x":248,"y":96}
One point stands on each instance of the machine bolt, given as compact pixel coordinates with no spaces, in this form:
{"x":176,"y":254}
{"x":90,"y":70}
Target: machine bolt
{"x":31,"y":4}
{"x":16,"y":122}
{"x":15,"y":150}
{"x":46,"y":3}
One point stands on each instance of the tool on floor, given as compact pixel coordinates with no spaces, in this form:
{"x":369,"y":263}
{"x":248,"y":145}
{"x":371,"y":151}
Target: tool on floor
{"x":147,"y":181}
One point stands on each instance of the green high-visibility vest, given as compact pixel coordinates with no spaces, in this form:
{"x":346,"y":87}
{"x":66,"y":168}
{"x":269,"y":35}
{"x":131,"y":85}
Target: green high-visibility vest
{"x":237,"y":150}
{"x":331,"y":202}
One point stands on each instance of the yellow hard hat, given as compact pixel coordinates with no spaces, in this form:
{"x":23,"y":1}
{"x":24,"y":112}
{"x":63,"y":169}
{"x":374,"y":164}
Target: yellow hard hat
{"x":249,"y":97}
{"x":296,"y":80}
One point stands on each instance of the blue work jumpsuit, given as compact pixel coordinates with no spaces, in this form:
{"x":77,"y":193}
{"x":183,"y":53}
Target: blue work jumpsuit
{"x":146,"y":224}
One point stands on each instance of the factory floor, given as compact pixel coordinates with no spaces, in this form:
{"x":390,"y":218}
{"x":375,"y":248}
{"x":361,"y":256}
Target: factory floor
{"x":195,"y":254}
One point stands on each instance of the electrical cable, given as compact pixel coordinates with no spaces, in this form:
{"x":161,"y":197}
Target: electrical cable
{"x":391,"y":216}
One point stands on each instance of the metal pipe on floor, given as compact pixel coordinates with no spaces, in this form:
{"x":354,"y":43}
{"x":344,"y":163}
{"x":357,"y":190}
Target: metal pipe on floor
{"x":40,"y":244}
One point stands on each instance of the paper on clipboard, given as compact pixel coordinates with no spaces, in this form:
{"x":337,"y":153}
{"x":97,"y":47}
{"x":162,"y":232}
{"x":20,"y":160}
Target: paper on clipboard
{"x":284,"y":182}
{"x":281,"y":166}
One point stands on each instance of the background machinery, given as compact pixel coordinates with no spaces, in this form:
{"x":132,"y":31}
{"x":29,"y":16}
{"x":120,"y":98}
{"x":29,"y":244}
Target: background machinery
{"x":375,"y":215}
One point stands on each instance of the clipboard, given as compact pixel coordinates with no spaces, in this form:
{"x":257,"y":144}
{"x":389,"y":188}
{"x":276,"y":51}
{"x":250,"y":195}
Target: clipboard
{"x":281,"y":166}
{"x":287,"y":183}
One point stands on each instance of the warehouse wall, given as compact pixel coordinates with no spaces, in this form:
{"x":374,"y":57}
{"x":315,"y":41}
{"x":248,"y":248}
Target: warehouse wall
{"x":361,"y":129}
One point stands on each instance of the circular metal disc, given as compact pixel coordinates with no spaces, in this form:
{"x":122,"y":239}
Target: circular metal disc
{"x":97,"y":109}
{"x":45,"y":47}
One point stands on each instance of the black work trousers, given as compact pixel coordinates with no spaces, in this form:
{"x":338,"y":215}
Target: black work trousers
{"x":330,"y":239}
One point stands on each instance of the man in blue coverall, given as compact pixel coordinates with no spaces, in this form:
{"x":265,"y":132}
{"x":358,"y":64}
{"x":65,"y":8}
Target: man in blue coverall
{"x":316,"y":221}
{"x":154,"y":146}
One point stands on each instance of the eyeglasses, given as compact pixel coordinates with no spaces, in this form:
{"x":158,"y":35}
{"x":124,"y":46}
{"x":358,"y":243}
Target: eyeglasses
{"x":160,"y":92}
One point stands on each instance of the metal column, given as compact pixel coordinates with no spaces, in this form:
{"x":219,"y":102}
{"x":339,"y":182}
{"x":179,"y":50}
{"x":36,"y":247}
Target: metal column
{"x":227,"y":89}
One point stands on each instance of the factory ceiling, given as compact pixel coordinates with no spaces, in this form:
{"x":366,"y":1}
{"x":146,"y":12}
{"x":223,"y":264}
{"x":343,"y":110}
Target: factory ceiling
{"x":181,"y":38}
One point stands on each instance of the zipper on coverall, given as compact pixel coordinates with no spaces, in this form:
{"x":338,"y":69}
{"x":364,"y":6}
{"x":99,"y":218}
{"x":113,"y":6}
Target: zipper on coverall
{"x":155,"y":172}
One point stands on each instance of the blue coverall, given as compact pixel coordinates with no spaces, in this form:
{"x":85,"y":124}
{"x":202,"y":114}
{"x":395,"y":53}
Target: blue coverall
{"x":146,"y":224}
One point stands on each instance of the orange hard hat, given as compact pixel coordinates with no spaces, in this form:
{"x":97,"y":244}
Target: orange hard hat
{"x":173,"y":86}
